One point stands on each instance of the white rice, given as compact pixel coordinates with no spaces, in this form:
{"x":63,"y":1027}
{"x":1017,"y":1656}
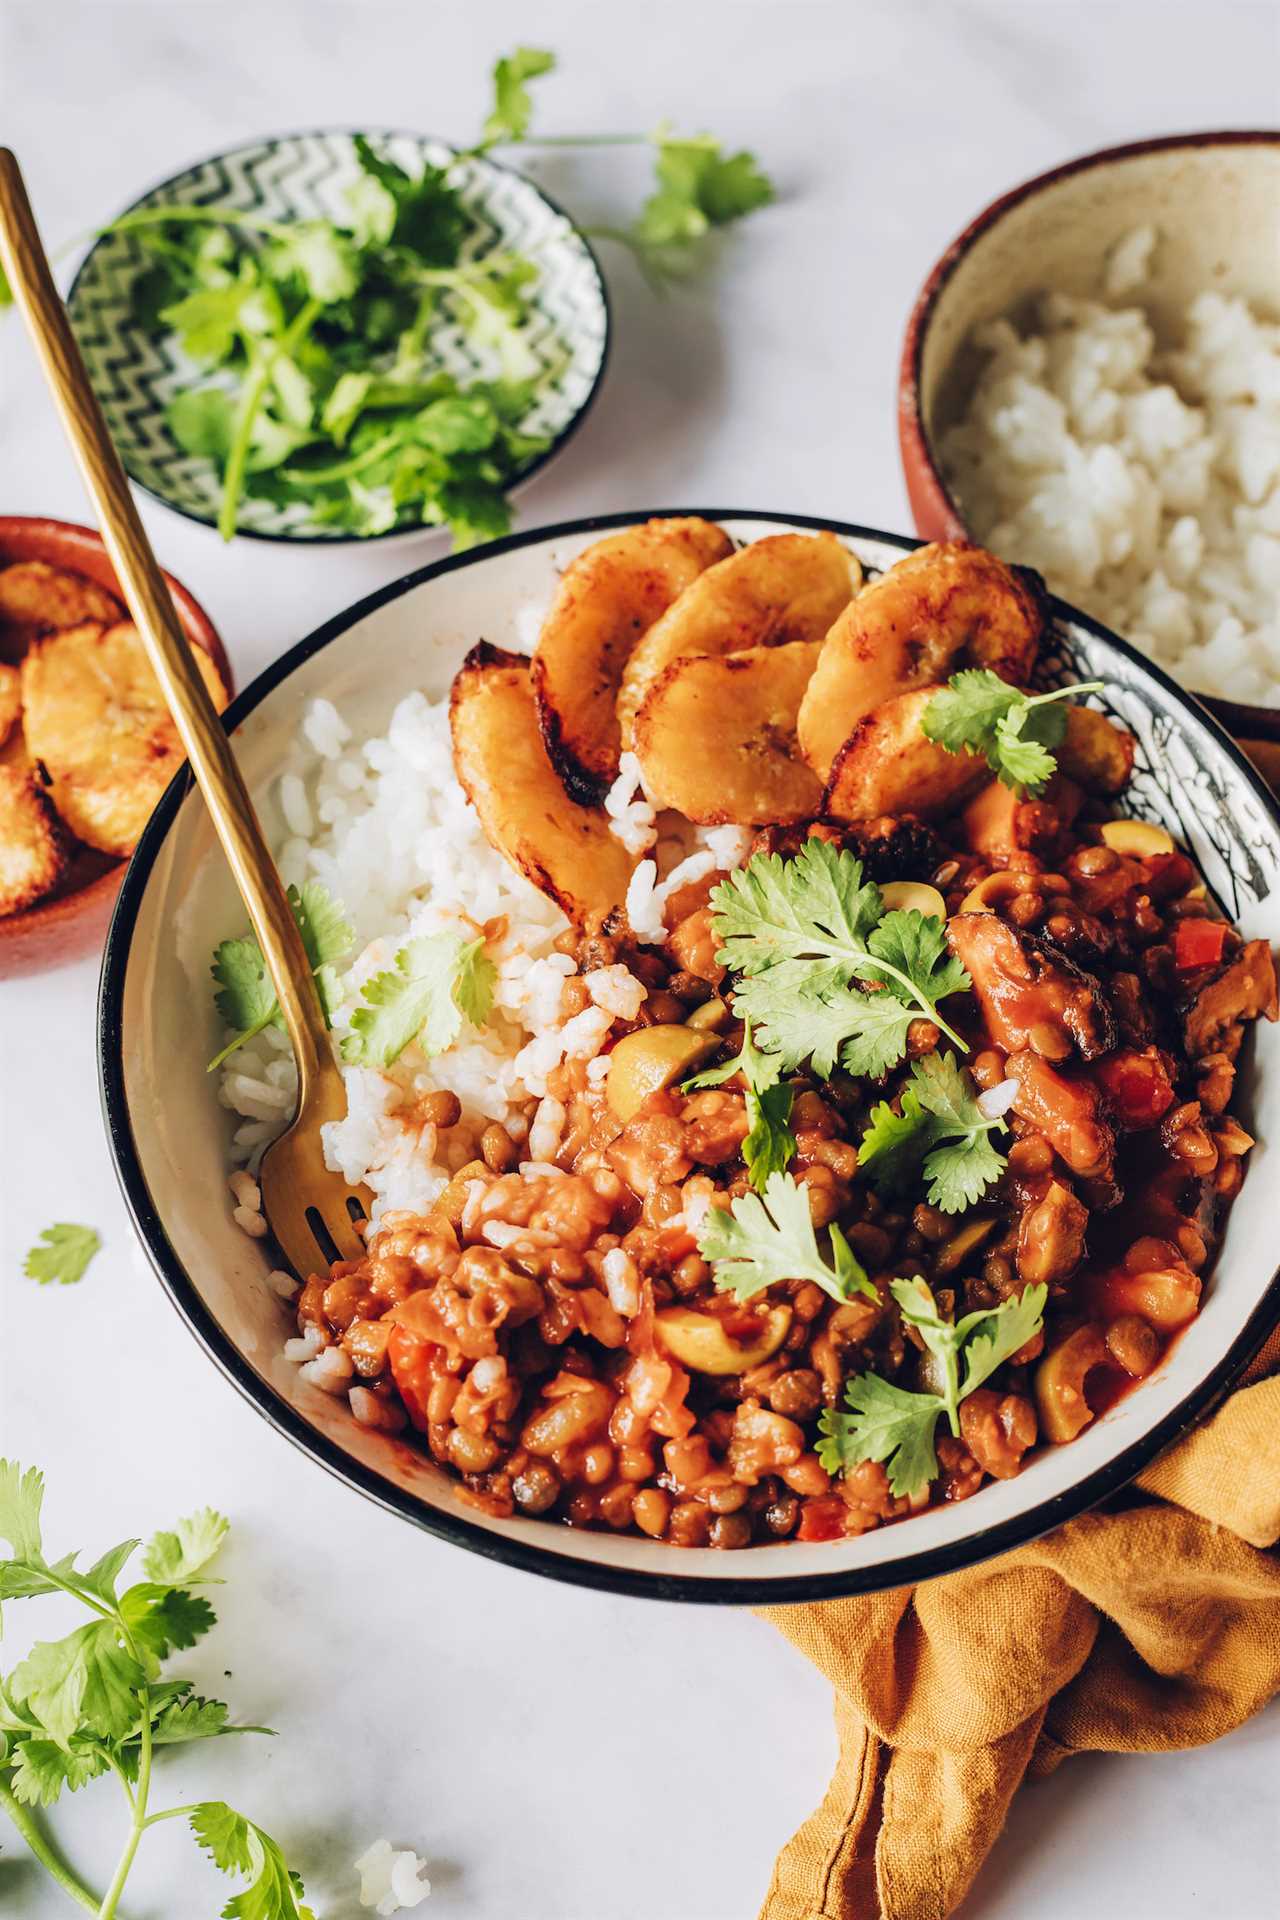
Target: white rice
{"x":632,"y":817}
{"x":385,"y":827}
{"x":1141,"y":477}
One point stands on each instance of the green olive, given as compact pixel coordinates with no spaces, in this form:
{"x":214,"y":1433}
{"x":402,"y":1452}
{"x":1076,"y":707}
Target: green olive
{"x":650,"y":1058}
{"x":700,"y":1342}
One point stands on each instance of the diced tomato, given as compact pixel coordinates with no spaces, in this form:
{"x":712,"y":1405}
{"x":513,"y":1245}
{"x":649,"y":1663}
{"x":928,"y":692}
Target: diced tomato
{"x":822,"y":1518}
{"x":1137,"y":1085}
{"x":411,"y":1358}
{"x":1198,"y":943}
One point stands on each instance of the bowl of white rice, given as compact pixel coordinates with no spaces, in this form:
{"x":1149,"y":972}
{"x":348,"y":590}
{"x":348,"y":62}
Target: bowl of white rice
{"x":345,"y":745}
{"x":1090,"y":386}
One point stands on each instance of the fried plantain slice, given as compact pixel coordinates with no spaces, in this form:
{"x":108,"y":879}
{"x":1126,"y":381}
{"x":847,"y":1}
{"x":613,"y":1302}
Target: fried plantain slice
{"x":566,"y":850}
{"x":941,"y":608}
{"x":787,"y":587}
{"x":94,"y":715}
{"x":887,"y":766}
{"x":608,"y":599}
{"x":35,"y":851}
{"x":716,"y":737}
{"x":1096,"y":753}
{"x":36,"y":598}
{"x":10,"y":700}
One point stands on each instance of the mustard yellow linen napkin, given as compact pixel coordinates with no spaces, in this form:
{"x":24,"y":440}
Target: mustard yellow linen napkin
{"x":1134,"y":1630}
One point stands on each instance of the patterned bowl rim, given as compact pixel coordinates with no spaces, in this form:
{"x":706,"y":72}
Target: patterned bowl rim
{"x":269,"y":142}
{"x":907,"y":1568}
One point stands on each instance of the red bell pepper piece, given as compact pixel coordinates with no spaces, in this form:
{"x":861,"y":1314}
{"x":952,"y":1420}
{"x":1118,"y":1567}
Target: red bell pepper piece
{"x":822,"y":1518}
{"x":1198,"y":943}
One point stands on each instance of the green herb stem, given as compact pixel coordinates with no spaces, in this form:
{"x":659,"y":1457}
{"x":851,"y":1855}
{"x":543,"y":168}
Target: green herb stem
{"x":928,"y":1010}
{"x":580,"y":140}
{"x":138,"y":1803}
{"x":212,"y":216}
{"x":44,"y":1851}
{"x":345,"y":469}
{"x":1064,"y":693}
{"x":250,"y":401}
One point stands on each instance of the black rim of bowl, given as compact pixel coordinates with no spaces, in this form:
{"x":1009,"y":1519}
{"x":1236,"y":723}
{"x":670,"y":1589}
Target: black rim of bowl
{"x":269,"y":143}
{"x":907,"y":1568}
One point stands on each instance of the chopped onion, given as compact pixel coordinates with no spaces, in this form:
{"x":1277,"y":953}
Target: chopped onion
{"x":996,"y":1101}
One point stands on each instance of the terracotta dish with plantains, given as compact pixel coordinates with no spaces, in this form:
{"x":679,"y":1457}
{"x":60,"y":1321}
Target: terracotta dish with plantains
{"x":86,"y":744}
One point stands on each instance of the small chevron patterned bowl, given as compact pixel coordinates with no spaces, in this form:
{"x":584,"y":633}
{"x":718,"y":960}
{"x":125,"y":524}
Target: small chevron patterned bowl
{"x":305,"y":176}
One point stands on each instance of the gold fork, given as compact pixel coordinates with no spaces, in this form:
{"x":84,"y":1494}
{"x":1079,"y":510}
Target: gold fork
{"x":311,"y":1211}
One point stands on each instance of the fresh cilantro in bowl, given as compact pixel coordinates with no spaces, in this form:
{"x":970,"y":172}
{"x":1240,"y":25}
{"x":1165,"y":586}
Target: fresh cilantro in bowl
{"x":357,"y":335}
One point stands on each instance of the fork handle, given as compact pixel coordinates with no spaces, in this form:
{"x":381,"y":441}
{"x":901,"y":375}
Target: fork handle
{"x":194,"y":714}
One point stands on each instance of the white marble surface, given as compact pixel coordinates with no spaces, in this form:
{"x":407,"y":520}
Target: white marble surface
{"x":559,"y":1755}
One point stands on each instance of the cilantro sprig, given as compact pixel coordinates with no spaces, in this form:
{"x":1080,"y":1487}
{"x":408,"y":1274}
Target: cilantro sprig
{"x":97,"y":1700}
{"x":895,"y":1425}
{"x":941,"y":1129}
{"x":763,"y":1240}
{"x":1017,"y":732}
{"x":61,"y":1254}
{"x":246,"y":998}
{"x":435,"y":983}
{"x":697,"y":185}
{"x":769,"y":1143}
{"x":822,"y":970}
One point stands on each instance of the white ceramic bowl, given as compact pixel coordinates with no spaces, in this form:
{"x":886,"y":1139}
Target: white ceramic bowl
{"x":169,"y":1136}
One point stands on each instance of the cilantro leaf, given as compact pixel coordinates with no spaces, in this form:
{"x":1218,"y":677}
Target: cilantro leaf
{"x":87,"y":1679}
{"x":21,"y":1498}
{"x":816,"y":906}
{"x":992,"y":1338}
{"x":41,"y":1768}
{"x":1023,"y":738}
{"x":164,"y":1620}
{"x":178,"y":1555}
{"x":942,"y":1129}
{"x":192,"y":1718}
{"x":323,"y":259}
{"x":825,"y":972}
{"x":698,"y":186}
{"x":769,"y":1143}
{"x":1016,"y":731}
{"x":203,"y":422}
{"x":436,"y":982}
{"x":960,"y":1171}
{"x":896,"y":1426}
{"x":886,"y":1423}
{"x":246,"y":997}
{"x":61,"y":1254}
{"x":213,"y":321}
{"x":508,"y":119}
{"x":760,"y":1242}
{"x":237,"y":1846}
{"x":915,"y":945}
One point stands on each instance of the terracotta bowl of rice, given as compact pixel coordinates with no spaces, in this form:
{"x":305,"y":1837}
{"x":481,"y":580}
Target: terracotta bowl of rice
{"x":1090,"y":385}
{"x":345,"y":743}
